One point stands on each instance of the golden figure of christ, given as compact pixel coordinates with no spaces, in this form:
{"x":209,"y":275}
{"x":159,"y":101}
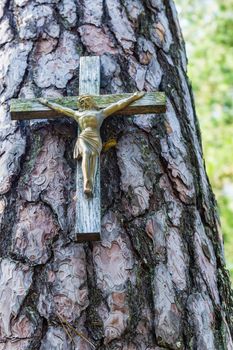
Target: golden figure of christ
{"x":90,"y":118}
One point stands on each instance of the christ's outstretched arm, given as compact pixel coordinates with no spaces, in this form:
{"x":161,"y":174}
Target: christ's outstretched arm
{"x":58,"y":108}
{"x":115,"y":107}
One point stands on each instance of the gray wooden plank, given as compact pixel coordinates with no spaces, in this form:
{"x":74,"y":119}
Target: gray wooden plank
{"x":23,"y":109}
{"x":88,"y":209}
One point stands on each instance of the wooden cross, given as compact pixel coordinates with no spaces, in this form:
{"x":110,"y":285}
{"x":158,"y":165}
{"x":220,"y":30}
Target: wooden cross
{"x":88,"y":209}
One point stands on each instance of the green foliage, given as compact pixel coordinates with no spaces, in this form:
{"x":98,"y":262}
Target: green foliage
{"x":207,"y":27}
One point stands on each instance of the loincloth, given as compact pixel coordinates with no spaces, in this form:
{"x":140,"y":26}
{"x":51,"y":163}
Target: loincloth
{"x":92,"y":141}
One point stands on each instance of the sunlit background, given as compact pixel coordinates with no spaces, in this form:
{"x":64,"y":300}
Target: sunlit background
{"x":207,"y":27}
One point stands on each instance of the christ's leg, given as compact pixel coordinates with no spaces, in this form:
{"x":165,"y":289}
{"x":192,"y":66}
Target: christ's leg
{"x":89,"y":166}
{"x":93,"y":169}
{"x":83,"y":150}
{"x":86,"y":173}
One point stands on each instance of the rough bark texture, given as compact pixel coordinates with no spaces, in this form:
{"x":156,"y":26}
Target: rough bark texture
{"x":157,"y":280}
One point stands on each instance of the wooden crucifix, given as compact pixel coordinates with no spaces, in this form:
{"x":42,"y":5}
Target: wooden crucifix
{"x":90,"y":113}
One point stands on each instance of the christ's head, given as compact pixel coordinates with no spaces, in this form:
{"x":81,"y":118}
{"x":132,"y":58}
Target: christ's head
{"x":87,"y":102}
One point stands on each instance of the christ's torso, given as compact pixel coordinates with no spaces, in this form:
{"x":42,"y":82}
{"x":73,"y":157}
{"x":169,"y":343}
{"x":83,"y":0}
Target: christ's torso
{"x":90,"y":119}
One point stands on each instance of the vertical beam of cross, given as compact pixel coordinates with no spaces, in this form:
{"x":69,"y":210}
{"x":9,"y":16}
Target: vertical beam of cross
{"x":87,"y":222}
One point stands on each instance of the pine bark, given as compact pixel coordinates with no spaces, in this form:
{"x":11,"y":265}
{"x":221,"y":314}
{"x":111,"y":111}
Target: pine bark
{"x":157,"y":280}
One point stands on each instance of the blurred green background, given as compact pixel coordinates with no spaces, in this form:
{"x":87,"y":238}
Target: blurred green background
{"x":207,"y":27}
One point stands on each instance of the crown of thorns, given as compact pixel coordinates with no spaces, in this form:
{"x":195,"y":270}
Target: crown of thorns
{"x":84,"y":98}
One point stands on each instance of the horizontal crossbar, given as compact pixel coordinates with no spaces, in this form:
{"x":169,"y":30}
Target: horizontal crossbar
{"x":25,"y":109}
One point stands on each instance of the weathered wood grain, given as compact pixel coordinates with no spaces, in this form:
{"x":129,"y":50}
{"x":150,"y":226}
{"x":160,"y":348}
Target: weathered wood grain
{"x":21,"y":109}
{"x":87,"y":224}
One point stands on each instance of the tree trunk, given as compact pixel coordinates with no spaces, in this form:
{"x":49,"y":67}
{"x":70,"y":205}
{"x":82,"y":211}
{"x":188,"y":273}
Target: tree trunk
{"x":157,"y":280}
